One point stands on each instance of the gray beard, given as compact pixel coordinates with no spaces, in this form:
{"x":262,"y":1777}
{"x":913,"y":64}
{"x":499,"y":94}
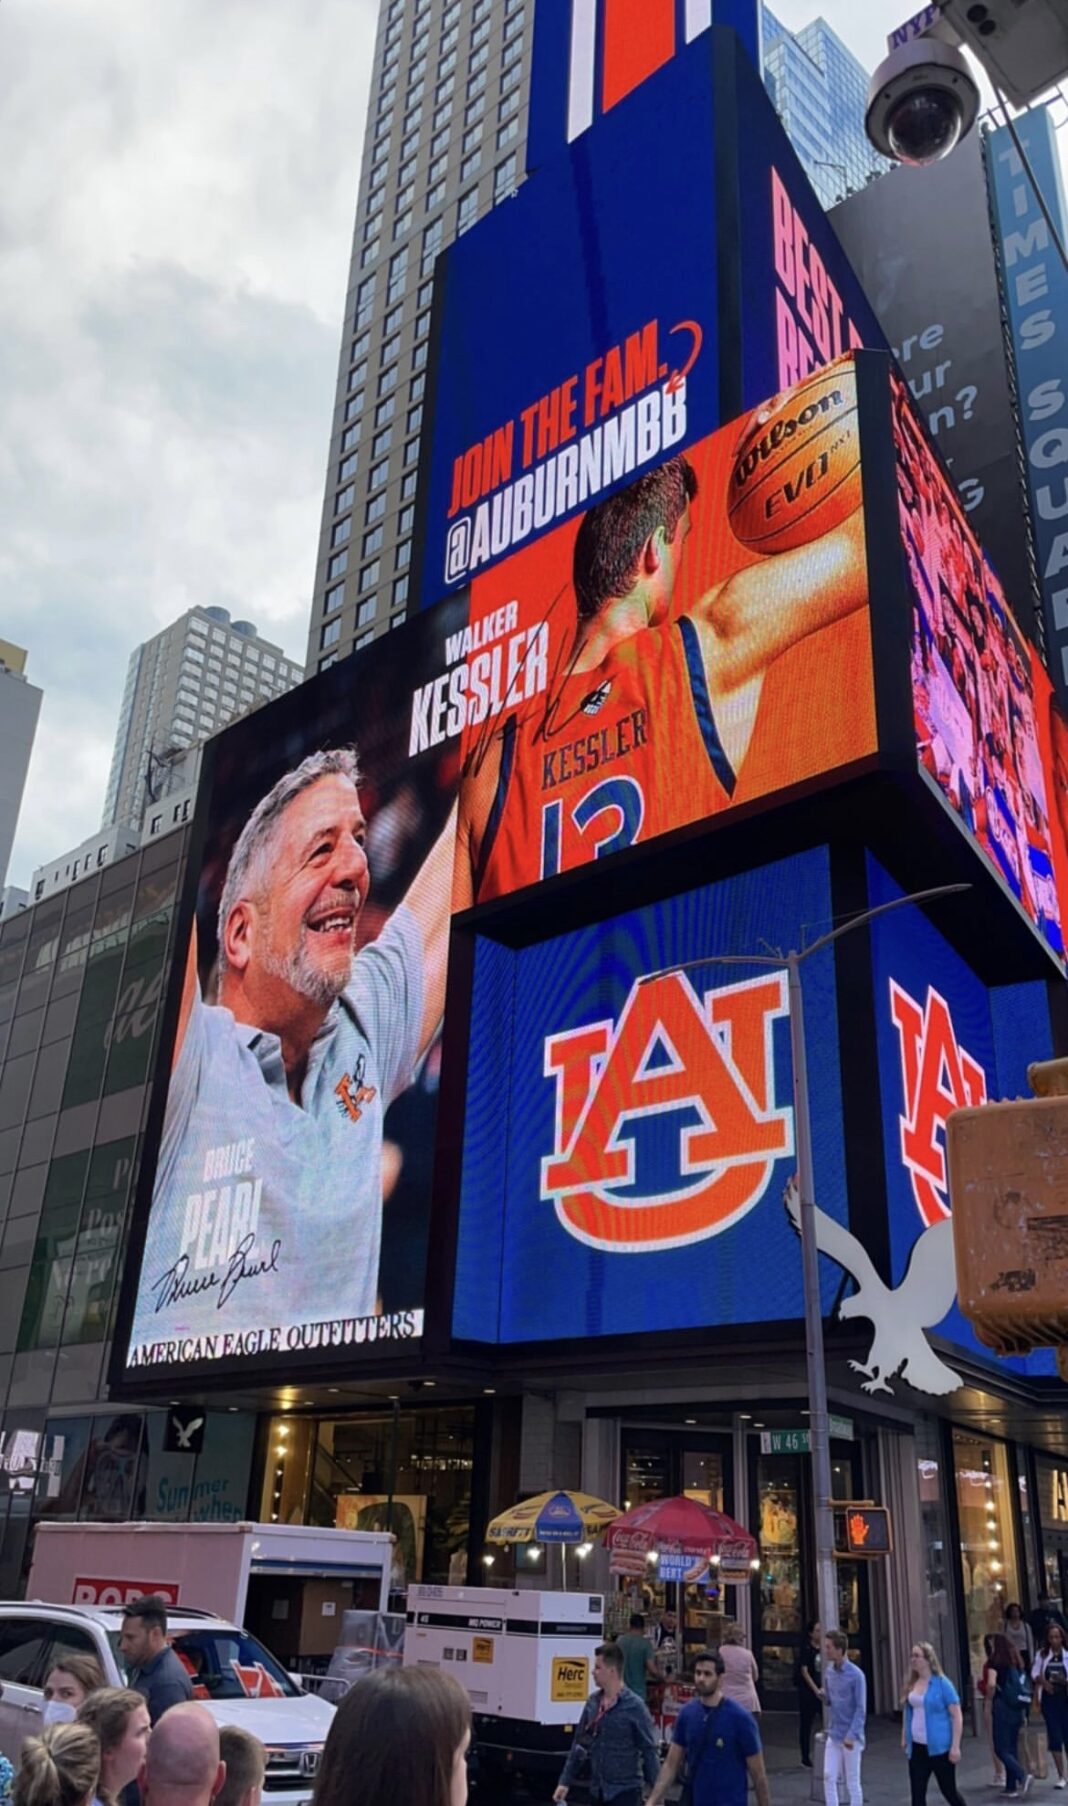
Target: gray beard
{"x":305,"y":978}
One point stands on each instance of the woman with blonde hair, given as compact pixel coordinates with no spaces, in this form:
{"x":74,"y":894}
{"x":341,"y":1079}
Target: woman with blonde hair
{"x":931,"y":1726}
{"x":739,"y":1669}
{"x":61,"y":1767}
{"x":68,"y":1684}
{"x":121,"y":1722}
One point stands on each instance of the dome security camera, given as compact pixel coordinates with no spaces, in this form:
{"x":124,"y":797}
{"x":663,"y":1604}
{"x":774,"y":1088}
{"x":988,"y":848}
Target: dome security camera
{"x":922,"y":101}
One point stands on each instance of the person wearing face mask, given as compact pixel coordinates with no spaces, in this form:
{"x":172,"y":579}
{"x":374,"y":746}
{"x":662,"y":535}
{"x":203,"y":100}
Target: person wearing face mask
{"x":69,"y":1684}
{"x":121,"y":1722}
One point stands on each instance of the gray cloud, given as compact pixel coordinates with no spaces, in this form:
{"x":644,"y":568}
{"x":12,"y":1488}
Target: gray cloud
{"x":175,"y":219}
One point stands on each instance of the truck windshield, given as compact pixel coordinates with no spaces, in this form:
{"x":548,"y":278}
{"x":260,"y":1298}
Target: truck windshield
{"x":227,"y":1664}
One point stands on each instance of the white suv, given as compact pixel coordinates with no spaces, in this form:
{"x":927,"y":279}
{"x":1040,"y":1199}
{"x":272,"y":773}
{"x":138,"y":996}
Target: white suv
{"x":233,"y":1675}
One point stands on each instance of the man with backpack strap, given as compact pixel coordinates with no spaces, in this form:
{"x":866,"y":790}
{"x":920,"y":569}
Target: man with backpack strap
{"x":720,"y":1743}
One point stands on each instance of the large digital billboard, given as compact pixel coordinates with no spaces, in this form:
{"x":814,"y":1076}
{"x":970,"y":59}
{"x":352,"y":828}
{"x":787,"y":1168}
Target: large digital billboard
{"x":566,"y":362}
{"x":301,"y":1080}
{"x":629,"y":1129}
{"x":698,"y":639}
{"x":978,"y":689}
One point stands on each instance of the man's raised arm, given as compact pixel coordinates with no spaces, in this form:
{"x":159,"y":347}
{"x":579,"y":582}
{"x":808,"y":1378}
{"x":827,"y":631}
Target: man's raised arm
{"x":760,"y":611}
{"x":429,"y":899}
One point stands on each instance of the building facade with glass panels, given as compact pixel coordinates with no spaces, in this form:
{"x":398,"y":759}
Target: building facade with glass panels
{"x":819,"y":90}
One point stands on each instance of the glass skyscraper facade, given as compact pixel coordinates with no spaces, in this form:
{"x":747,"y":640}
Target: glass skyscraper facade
{"x":819,"y":90}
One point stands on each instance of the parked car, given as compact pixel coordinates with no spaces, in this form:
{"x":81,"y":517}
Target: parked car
{"x":236,"y":1678}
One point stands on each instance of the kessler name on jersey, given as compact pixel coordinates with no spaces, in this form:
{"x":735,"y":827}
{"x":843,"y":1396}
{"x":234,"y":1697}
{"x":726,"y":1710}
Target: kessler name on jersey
{"x":590,"y":752}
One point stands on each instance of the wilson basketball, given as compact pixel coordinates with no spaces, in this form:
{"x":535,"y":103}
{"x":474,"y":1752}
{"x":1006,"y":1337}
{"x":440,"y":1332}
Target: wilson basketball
{"x":796,"y":471}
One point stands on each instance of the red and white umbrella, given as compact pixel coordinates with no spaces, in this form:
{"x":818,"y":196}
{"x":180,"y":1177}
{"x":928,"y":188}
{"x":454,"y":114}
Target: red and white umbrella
{"x":678,"y":1531}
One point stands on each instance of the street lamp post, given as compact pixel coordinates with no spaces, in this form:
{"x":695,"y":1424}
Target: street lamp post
{"x":819,"y":1425}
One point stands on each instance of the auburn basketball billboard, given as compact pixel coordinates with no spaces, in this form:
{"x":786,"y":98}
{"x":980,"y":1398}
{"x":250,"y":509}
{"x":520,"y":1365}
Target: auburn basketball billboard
{"x":663,"y":273}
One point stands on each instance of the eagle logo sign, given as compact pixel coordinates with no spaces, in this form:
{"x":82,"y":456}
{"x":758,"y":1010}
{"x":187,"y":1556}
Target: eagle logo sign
{"x":937,"y":1075}
{"x":667,"y":1126}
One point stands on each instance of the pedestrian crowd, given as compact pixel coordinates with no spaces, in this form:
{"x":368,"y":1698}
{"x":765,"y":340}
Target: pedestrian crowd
{"x":146,"y":1744}
{"x":404,"y":1734}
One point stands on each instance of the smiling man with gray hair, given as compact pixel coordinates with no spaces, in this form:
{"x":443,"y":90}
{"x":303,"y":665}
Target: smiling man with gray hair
{"x":265,"y":1226}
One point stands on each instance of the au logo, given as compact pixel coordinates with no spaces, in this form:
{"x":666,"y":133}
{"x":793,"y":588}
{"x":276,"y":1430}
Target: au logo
{"x":937,"y":1076}
{"x":667,"y":1125}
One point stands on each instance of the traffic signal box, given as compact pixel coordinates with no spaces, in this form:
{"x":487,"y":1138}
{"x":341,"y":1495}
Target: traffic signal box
{"x":861,"y":1529}
{"x":1008,"y":1180}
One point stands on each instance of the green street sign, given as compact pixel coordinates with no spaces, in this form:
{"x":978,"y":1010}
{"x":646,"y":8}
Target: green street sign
{"x":799,"y":1442}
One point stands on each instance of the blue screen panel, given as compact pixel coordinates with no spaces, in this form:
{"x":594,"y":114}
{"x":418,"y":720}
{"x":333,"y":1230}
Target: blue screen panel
{"x":628,"y":1136}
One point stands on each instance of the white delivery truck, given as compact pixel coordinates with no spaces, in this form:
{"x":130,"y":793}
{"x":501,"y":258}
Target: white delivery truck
{"x":223,"y":1568}
{"x":525,"y":1661}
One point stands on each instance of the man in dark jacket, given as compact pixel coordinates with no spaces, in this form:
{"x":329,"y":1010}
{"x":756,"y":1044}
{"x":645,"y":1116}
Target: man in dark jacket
{"x":615,"y":1740}
{"x":152,"y":1668}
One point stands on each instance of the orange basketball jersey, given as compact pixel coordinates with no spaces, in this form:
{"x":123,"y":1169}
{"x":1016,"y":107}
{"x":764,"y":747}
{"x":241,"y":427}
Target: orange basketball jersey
{"x":615,"y":755}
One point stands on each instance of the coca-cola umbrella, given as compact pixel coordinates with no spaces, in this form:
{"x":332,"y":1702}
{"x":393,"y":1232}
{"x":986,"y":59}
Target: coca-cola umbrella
{"x":684,"y":1535}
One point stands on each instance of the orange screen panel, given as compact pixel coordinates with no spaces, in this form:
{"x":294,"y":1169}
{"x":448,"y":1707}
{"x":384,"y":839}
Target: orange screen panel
{"x":639,"y":36}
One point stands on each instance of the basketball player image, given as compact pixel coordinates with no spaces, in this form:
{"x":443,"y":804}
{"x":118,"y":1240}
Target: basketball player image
{"x":656,"y":718}
{"x":268,"y":1198}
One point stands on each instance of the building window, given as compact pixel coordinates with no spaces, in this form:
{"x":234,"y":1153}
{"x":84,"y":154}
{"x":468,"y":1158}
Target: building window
{"x":508,"y":106}
{"x":401,"y":226}
{"x":990,"y":1572}
{"x":469,"y":166}
{"x":366,"y":612}
{"x":381,"y":442}
{"x":354,"y":406}
{"x":411,"y":452}
{"x":372,"y":541}
{"x":434,"y":197}
{"x":341,"y":531}
{"x":330,"y":659}
{"x":369,"y":576}
{"x":504,"y":178}
{"x":343,"y":498}
{"x":333,"y":599}
{"x":338,"y":565}
{"x":415,"y":419}
{"x":442,"y":115}
{"x":419,"y":355}
{"x":364,"y":639}
{"x":408,"y":484}
{"x":432,"y":240}
{"x":478,"y":58}
{"x":403,"y":557}
{"x":512,"y":53}
{"x":348,"y":466}
{"x":390,"y":346}
{"x":506,"y":133}
{"x":385,"y":410}
{"x":474,"y":111}
{"x":331,"y":633}
{"x":378,"y":474}
{"x":388,"y":380}
{"x":416,"y":388}
{"x":466,"y":210}
{"x":376,"y":508}
{"x":424,"y":296}
{"x":357,"y":376}
{"x":477,"y":85}
{"x":400,"y":590}
{"x":351,"y":436}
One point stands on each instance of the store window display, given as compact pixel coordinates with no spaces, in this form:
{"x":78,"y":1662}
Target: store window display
{"x":988,"y":1556}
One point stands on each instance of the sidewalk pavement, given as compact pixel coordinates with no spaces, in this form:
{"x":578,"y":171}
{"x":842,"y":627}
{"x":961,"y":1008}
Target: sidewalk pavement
{"x":884,"y":1772}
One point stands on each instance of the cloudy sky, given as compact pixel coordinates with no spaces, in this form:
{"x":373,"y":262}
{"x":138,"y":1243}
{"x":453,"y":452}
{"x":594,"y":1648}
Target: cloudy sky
{"x":175,"y":218}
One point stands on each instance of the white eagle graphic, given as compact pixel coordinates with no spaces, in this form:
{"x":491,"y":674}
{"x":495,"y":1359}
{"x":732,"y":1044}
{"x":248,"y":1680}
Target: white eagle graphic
{"x":899,"y":1314}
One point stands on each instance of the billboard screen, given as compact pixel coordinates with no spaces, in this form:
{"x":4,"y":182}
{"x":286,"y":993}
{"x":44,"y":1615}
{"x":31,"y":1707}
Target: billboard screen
{"x":698,"y":639}
{"x":288,"y":1214}
{"x":974,"y":685}
{"x":630,"y":1130}
{"x":566,"y":364}
{"x":944,"y":1042}
{"x":921,"y":243}
{"x":1035,"y":285}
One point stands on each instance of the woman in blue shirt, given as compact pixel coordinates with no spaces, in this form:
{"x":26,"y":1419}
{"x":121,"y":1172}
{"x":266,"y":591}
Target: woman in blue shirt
{"x":931,"y":1727}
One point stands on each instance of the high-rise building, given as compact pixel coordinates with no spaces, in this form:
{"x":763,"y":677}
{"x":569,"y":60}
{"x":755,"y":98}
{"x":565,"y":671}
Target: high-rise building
{"x":20,"y":705}
{"x":444,"y":142}
{"x":819,"y":90}
{"x":182,"y":686}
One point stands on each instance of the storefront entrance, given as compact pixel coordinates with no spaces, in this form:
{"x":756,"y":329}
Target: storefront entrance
{"x":784,"y":1591}
{"x":658,"y":1465}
